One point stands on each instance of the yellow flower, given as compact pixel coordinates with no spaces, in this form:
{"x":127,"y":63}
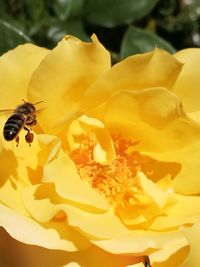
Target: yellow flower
{"x":112,"y":176}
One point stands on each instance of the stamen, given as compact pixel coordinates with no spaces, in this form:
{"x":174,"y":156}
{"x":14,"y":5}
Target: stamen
{"x":115,"y":180}
{"x":124,"y":180}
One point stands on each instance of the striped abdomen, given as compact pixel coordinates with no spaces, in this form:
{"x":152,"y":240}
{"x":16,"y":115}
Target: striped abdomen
{"x":13,"y":126}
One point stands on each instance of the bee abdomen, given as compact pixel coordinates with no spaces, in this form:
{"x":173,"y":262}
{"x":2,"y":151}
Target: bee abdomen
{"x":13,"y":126}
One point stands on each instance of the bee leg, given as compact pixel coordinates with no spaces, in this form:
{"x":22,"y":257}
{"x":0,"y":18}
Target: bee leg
{"x":17,"y":140}
{"x":29,"y":136}
{"x":34,"y":123}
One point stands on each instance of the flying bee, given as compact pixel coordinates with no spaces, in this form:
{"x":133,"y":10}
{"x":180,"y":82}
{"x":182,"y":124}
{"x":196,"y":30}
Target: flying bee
{"x":24,"y":116}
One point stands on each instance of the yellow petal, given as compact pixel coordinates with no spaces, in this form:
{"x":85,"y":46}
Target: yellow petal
{"x":154,"y":117}
{"x":193,"y":236}
{"x":162,"y":127}
{"x":62,"y":78}
{"x":63,"y":173}
{"x":136,"y":265}
{"x":19,"y":168}
{"x":87,"y":128}
{"x":153,"y":69}
{"x":98,"y":258}
{"x":33,"y":233}
{"x":105,"y":229}
{"x":16,"y":68}
{"x":60,"y":170}
{"x":187,"y":84}
{"x":14,"y":253}
{"x":159,"y":245}
{"x":173,"y":255}
{"x":148,"y":202}
{"x":186,"y":180}
{"x":104,"y":151}
{"x":183,"y":211}
{"x":194,"y":115}
{"x":43,"y":204}
{"x":159,"y":196}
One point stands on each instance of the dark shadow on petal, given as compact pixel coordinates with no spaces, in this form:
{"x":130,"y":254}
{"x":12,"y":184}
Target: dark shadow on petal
{"x":8,"y":166}
{"x":35,"y":176}
{"x":14,"y":253}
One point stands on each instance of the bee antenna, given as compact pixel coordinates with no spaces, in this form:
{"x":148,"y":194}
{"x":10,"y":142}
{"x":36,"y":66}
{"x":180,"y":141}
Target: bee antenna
{"x":38,"y":102}
{"x":23,"y":100}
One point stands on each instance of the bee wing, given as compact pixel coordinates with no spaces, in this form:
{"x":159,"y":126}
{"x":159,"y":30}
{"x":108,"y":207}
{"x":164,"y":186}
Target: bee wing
{"x":6,"y":111}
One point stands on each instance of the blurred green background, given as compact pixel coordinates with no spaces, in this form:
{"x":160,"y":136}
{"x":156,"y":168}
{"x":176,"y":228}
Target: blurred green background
{"x":124,"y":26}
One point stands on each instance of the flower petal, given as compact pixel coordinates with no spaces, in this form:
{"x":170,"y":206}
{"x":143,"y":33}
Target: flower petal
{"x":98,"y":258}
{"x":62,"y":172}
{"x":173,"y":255}
{"x":16,"y":68}
{"x":62,"y":78}
{"x":136,"y":265}
{"x":104,"y":151}
{"x":145,"y":114}
{"x":187,"y":84}
{"x":157,"y":113}
{"x":43,"y":203}
{"x":159,"y":196}
{"x":14,"y":253}
{"x":192,"y":234}
{"x":168,"y":243}
{"x":29,"y":231}
{"x":19,"y":168}
{"x":103,"y":229}
{"x":148,"y":202}
{"x":153,"y":69}
{"x":183,"y":211}
{"x":186,"y":180}
{"x":194,"y":115}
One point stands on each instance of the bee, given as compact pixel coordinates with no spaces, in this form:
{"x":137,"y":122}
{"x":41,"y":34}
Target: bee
{"x":23,"y":117}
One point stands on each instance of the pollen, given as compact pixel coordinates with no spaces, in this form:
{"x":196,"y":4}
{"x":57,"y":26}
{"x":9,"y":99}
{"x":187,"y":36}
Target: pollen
{"x":115,"y":180}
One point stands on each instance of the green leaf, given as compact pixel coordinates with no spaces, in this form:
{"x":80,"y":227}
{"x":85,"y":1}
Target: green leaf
{"x":167,"y":8}
{"x":111,"y":13}
{"x":139,"y":41}
{"x":66,"y":9}
{"x":76,"y":8}
{"x":3,"y":7}
{"x":34,"y":10}
{"x":10,"y":37}
{"x":57,"y":31}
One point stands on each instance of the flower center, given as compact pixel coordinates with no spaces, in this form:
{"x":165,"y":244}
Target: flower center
{"x":115,"y":180}
{"x":129,"y":182}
